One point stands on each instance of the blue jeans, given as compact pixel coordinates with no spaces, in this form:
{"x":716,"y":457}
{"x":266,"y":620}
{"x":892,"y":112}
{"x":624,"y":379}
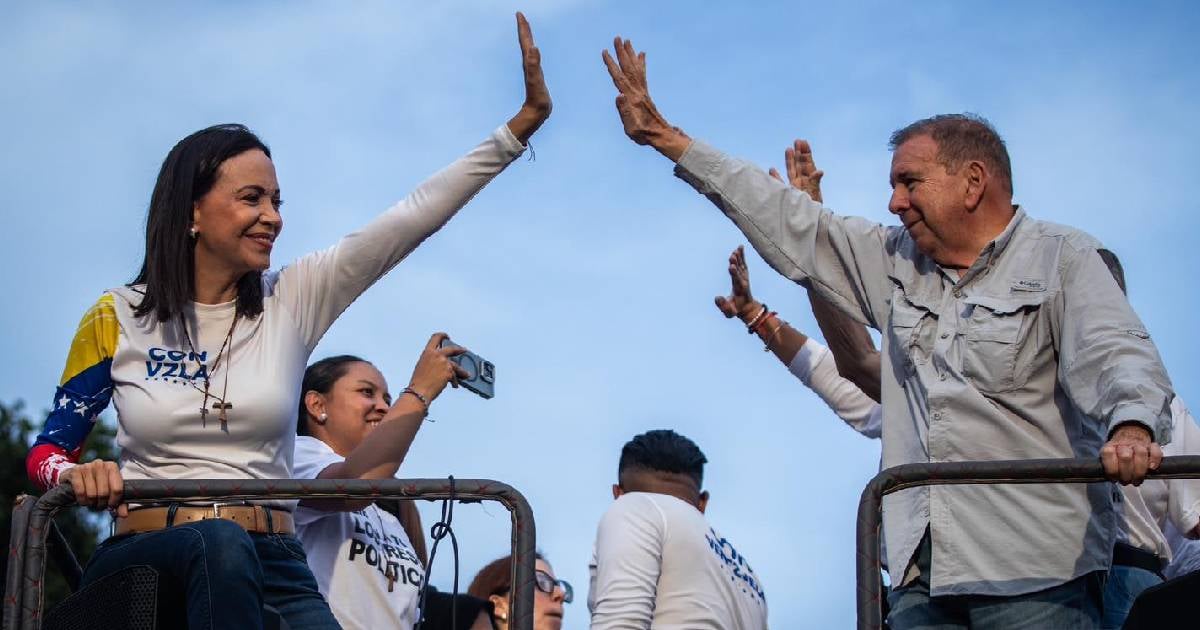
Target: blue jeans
{"x":224,"y":573}
{"x":1074,"y":605}
{"x":1124,"y":585}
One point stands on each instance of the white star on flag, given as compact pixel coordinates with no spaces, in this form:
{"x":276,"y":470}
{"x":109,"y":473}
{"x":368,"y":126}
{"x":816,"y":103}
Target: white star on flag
{"x":62,"y":402}
{"x":81,"y":408}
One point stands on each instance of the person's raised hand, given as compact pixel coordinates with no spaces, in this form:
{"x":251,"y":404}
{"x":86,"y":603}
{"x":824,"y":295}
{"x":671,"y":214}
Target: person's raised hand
{"x":435,"y":370}
{"x":537,"y":106}
{"x":739,"y":303}
{"x":98,"y":485}
{"x":1129,"y":454}
{"x":802,"y":171}
{"x":641,"y":119}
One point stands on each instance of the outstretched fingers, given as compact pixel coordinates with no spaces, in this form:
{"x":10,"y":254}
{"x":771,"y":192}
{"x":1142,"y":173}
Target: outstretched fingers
{"x":804,"y":158}
{"x":524,"y":33}
{"x":614,"y":70}
{"x":789,"y":164}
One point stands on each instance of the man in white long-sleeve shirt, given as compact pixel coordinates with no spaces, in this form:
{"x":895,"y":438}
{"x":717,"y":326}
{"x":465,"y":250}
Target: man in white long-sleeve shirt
{"x":657,"y":562}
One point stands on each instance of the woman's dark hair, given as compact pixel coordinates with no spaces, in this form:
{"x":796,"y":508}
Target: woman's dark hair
{"x":187,"y":174}
{"x":495,"y":578}
{"x":320,"y":377}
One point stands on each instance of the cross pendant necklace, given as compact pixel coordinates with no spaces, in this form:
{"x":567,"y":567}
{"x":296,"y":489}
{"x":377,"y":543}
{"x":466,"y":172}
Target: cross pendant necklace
{"x":222,"y":406}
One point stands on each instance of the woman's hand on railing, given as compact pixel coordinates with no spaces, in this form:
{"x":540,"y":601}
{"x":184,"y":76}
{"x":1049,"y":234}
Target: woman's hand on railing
{"x":98,"y":485}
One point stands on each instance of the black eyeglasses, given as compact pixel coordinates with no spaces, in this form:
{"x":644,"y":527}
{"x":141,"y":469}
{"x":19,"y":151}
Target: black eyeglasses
{"x":546,"y":583}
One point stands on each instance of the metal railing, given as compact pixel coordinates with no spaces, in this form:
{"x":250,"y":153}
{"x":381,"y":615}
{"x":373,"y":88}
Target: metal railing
{"x":869,"y":597}
{"x":32,"y":526}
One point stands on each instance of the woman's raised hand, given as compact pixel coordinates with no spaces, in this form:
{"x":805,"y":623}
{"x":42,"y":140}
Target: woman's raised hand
{"x":739,"y":302}
{"x":435,"y":370}
{"x":98,"y":485}
{"x":536,"y":108}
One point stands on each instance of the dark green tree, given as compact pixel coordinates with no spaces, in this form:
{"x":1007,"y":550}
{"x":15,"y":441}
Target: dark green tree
{"x":81,"y":528}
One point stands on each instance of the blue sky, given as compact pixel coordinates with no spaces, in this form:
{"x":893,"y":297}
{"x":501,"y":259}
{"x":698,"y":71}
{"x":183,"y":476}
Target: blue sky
{"x":587,"y":275}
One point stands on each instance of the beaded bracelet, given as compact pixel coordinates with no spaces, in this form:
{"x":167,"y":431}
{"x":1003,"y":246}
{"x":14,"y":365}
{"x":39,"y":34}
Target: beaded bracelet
{"x":757,"y":319}
{"x":761,"y":325}
{"x":418,"y":396}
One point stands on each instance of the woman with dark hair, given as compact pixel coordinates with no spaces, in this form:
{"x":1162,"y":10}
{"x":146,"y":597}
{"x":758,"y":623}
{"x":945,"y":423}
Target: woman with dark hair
{"x":363,"y":556}
{"x":494,"y":583}
{"x":203,"y":354}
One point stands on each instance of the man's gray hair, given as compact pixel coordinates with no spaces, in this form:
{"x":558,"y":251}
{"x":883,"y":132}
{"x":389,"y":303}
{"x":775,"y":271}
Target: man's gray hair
{"x":961,"y":138}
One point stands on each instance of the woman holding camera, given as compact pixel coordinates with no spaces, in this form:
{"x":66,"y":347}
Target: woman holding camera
{"x":363,"y":558}
{"x":203,"y":354}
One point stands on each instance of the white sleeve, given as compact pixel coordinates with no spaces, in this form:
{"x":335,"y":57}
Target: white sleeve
{"x":629,"y":544}
{"x":815,"y":367}
{"x":312,"y":457}
{"x":318,"y":287}
{"x":1183,"y":494}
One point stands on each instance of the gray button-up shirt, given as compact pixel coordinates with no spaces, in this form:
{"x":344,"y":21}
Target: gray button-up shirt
{"x":1033,"y":353}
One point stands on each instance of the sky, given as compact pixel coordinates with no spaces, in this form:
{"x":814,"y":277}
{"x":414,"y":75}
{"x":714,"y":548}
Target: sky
{"x":587,"y":275}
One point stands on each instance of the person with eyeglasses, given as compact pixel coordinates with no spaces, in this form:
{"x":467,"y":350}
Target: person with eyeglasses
{"x":494,"y":583}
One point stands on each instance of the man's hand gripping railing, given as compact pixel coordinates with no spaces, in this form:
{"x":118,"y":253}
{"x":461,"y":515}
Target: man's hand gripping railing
{"x":869,"y":596}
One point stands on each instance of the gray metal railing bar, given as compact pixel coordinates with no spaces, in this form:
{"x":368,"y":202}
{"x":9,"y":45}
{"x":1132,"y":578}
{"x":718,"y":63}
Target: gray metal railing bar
{"x":868,"y":599}
{"x":24,"y":593}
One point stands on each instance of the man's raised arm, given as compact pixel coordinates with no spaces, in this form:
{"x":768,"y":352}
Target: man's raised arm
{"x":845,"y":259}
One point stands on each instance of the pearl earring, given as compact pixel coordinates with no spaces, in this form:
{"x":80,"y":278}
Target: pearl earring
{"x":323,"y":417}
{"x":193,"y":232}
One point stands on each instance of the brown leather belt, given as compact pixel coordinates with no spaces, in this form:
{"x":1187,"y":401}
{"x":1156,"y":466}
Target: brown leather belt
{"x":256,"y":519}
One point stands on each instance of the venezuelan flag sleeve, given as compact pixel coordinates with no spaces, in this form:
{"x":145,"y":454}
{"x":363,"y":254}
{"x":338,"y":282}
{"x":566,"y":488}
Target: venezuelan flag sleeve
{"x":84,"y":390}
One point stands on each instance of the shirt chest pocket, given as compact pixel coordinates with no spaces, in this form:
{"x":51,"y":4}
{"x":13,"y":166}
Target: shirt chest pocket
{"x":912,"y":328}
{"x":1000,"y":336}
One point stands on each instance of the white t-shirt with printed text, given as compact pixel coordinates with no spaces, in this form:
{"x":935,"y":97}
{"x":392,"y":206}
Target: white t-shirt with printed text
{"x":658,"y":563}
{"x":352,"y":554}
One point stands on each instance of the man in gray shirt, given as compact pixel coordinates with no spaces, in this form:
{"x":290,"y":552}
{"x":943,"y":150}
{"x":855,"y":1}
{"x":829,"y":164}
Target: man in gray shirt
{"x":1004,"y":337}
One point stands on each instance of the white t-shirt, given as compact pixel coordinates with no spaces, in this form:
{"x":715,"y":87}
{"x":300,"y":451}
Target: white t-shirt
{"x":352,"y":554}
{"x":657,"y":563}
{"x":1185,"y":553}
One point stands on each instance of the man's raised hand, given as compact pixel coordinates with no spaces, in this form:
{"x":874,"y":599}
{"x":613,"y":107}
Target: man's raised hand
{"x":641,"y":119}
{"x":801,"y":170}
